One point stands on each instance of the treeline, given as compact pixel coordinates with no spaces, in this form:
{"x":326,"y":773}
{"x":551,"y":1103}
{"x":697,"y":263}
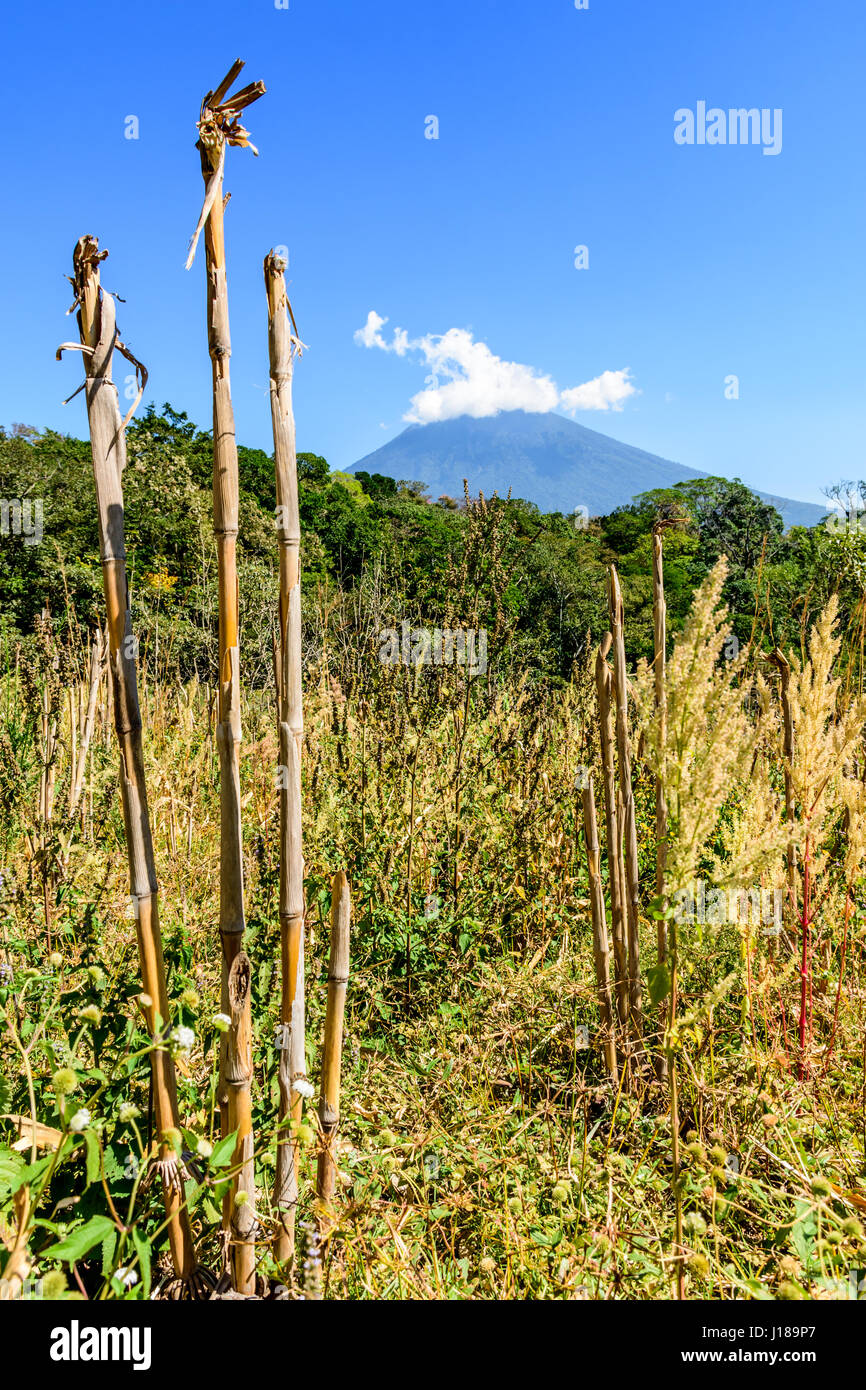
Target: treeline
{"x":378,"y":552}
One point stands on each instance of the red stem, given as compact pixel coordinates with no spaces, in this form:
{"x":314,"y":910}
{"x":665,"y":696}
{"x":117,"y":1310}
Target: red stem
{"x":805,"y":981}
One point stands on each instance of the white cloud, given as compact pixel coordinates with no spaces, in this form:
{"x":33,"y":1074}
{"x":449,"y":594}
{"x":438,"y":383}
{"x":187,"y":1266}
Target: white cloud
{"x":466,"y":378}
{"x":605,"y":392}
{"x":370,"y":335}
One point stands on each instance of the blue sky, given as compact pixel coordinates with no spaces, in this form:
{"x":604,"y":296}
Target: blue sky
{"x":556,"y":129}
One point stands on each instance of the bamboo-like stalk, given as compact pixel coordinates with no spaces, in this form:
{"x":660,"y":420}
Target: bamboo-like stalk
{"x":218,"y":125}
{"x":659,"y":664}
{"x":282,"y":344}
{"x":238,"y":1079}
{"x":329,"y":1099}
{"x":616,"y":871}
{"x":96,"y":322}
{"x":629,"y":826}
{"x":601,"y":949}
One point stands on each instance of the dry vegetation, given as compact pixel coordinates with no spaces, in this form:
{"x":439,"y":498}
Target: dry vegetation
{"x":483,"y":1150}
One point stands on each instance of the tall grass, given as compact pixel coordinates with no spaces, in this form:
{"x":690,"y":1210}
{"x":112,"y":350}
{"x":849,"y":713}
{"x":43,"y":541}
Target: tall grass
{"x":483,"y":1151}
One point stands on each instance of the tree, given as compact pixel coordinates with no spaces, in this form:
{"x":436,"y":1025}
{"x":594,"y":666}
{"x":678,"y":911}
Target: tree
{"x":313,"y":470}
{"x":376,"y":485}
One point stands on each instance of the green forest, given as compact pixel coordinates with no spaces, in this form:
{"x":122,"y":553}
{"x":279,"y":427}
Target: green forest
{"x":376,"y":547}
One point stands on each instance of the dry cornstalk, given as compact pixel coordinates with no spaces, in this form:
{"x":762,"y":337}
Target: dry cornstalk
{"x":629,"y":826}
{"x":616,"y":869}
{"x":98,"y":333}
{"x":282,"y":344}
{"x":601,"y":950}
{"x":238,"y":1081}
{"x":329,"y":1099}
{"x":219,"y":125}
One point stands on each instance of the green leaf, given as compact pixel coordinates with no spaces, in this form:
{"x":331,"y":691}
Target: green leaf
{"x":111,"y":1165}
{"x":659,"y":983}
{"x":5,"y":1095}
{"x":93,"y":1232}
{"x":108,"y":1247}
{"x":10,"y":1165}
{"x":33,"y":1171}
{"x":223,"y":1151}
{"x":803,"y":1235}
{"x":211,"y":1210}
{"x":55,"y":1227}
{"x":542,"y":1238}
{"x":142,"y":1250}
{"x":91,"y":1143}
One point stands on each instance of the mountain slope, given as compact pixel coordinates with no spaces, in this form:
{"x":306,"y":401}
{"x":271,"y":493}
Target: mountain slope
{"x":546,"y":459}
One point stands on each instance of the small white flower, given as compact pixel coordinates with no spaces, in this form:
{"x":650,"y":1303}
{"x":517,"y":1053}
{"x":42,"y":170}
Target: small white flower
{"x":128,"y":1112}
{"x":80,"y":1120}
{"x":221,"y":1022}
{"x":127,"y":1277}
{"x":183,"y":1038}
{"x":203,"y":1148}
{"x":303,"y":1087}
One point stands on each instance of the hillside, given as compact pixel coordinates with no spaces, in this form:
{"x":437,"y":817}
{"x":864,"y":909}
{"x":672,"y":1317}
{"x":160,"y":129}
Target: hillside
{"x":546,"y":459}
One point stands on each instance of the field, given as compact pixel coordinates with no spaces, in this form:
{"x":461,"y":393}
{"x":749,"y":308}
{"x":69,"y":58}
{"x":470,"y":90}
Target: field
{"x":483,"y":1150}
